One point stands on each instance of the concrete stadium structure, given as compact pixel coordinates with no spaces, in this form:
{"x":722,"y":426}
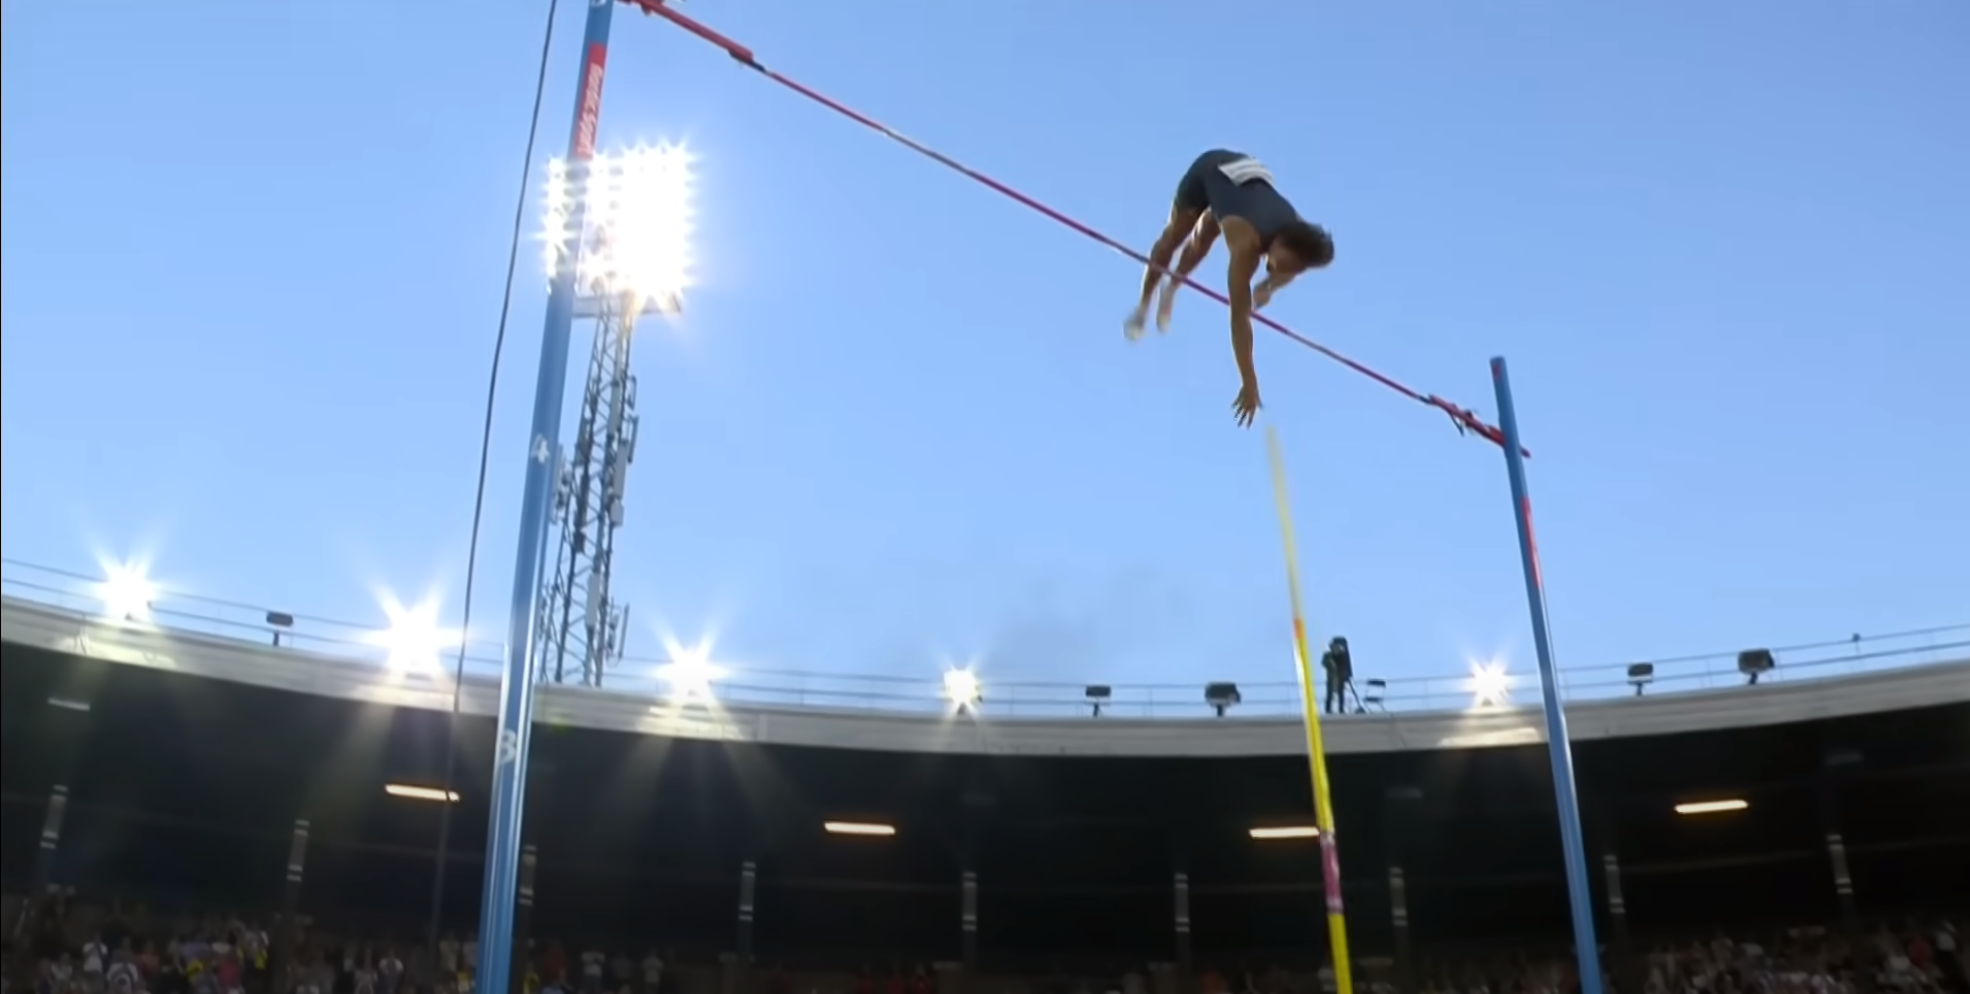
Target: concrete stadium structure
{"x":187,"y":759}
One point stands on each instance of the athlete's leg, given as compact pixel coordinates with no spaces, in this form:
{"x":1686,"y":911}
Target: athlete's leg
{"x":1183,"y":220}
{"x":1192,"y":201}
{"x":1202,"y":238}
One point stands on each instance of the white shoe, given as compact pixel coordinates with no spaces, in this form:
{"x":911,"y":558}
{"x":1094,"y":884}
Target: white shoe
{"x":1132,"y":327}
{"x":1166,"y":302}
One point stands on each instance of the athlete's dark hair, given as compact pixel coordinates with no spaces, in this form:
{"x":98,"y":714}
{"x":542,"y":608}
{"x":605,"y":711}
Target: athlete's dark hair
{"x":1309,"y":241}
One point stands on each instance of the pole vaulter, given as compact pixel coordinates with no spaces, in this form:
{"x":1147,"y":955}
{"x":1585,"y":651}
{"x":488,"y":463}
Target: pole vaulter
{"x":1463,"y":418}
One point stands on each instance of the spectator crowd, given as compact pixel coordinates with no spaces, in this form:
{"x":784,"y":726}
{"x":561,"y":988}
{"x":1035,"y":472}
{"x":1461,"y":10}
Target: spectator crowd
{"x":67,"y":948}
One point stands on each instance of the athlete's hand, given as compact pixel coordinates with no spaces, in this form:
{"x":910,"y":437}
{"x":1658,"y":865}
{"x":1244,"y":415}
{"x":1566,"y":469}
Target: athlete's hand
{"x":1262,"y":295}
{"x":1246,"y":407}
{"x":1132,"y":326}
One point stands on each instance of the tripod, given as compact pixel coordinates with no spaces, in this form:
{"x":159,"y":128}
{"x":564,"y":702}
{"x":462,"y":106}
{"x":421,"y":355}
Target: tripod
{"x":1340,"y":690}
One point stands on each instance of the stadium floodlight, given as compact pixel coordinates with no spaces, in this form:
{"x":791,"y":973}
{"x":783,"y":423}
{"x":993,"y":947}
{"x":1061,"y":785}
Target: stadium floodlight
{"x":279,"y":621}
{"x":1222,"y":696}
{"x":634,"y":240}
{"x":961,"y":689}
{"x":1275,"y":832}
{"x":414,"y":640}
{"x":1640,"y":675}
{"x":690,"y":671}
{"x":126,"y":592}
{"x":415,"y":793}
{"x":1754,"y":663}
{"x":1712,"y":807}
{"x":1098,"y":695}
{"x":867,"y":828}
{"x":1491,"y":686}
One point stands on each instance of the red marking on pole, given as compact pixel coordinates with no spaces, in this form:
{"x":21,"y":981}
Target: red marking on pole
{"x":588,"y":118}
{"x":1531,"y":543}
{"x":1330,"y":867}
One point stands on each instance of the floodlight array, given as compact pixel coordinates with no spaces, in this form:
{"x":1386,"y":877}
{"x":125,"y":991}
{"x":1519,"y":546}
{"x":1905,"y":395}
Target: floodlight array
{"x":1490,"y":684}
{"x":623,"y":220}
{"x":414,"y":643}
{"x":126,"y":592}
{"x":961,"y":689}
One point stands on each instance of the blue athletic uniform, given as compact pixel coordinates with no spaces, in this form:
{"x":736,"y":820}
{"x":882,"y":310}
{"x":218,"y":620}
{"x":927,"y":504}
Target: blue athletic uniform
{"x":1233,"y":184}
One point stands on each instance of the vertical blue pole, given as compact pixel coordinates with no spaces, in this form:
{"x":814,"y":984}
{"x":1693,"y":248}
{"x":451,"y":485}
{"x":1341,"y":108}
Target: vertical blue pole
{"x":516,"y":685}
{"x":1572,"y":839}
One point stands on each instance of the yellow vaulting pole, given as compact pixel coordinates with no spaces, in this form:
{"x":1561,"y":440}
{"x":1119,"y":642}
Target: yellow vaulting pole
{"x":1316,"y":754}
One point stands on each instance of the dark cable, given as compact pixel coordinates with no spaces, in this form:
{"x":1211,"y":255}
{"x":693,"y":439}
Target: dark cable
{"x":479,"y":493}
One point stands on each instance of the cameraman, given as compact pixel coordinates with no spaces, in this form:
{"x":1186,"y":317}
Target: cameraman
{"x":1340,"y":675}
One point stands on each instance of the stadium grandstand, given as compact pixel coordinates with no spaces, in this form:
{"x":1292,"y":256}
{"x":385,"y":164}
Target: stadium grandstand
{"x":792,"y":848}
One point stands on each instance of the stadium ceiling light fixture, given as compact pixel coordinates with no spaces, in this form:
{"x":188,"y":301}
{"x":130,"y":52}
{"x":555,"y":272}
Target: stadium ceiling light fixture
{"x":633,"y":208}
{"x":1272,"y":832}
{"x":126,"y":592}
{"x":868,"y":828}
{"x":414,"y":793}
{"x":1712,"y":807}
{"x":69,"y":704}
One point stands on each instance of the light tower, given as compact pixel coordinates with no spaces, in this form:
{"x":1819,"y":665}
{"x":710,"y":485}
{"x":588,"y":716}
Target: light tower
{"x":631,"y":259}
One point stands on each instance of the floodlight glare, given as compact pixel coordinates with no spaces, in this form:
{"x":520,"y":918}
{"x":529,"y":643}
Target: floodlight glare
{"x":690,"y":671}
{"x":1490,"y":686}
{"x":414,"y":640}
{"x":125,"y":592}
{"x":961,"y":689}
{"x":634,"y":238}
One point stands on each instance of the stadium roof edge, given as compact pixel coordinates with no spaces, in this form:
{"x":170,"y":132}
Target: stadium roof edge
{"x":1780,"y":702}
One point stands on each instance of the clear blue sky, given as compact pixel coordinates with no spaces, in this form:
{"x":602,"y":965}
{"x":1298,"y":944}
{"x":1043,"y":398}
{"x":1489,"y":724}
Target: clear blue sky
{"x":253,"y":252}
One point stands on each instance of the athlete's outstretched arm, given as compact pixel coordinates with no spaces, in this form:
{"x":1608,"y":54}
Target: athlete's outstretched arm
{"x":1244,"y":265}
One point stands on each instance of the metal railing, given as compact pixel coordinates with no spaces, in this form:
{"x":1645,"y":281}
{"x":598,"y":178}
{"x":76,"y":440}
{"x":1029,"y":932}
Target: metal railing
{"x":182,"y":611}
